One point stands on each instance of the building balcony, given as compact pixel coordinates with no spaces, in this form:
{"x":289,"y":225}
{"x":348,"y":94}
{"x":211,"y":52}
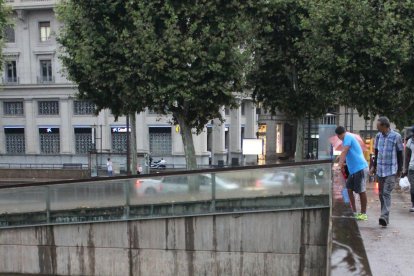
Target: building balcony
{"x":46,"y":80}
{"x":10,"y":81}
{"x":31,"y":4}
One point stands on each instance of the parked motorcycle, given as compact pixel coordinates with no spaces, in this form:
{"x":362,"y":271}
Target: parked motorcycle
{"x":160,"y":164}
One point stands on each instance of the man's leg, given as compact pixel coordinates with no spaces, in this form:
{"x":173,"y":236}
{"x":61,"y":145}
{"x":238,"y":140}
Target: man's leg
{"x":352,"y":200}
{"x":411,"y":179}
{"x":388,"y":186}
{"x":363,"y":197}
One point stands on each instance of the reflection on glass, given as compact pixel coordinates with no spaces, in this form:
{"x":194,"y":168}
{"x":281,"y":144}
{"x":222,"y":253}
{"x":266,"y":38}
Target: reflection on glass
{"x":317,"y":179}
{"x":23,"y":200}
{"x":88,"y":195}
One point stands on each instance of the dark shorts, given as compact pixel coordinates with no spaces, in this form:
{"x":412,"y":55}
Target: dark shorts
{"x":357,"y":181}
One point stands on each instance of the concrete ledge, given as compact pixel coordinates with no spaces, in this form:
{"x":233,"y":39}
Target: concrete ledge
{"x":285,"y":242}
{"x":347,"y":255}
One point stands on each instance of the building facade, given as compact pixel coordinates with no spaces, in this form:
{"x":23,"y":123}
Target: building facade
{"x":42,"y":121}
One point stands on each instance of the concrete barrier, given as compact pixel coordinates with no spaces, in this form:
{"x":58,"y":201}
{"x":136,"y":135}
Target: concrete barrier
{"x":24,"y":175}
{"x":286,"y":242}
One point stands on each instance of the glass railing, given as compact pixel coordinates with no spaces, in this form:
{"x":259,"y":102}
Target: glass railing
{"x":296,"y":185}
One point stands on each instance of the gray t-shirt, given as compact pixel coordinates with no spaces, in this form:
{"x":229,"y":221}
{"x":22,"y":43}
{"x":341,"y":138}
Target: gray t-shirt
{"x":410,"y":145}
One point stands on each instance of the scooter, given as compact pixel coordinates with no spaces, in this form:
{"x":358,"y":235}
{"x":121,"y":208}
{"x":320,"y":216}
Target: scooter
{"x":160,"y":164}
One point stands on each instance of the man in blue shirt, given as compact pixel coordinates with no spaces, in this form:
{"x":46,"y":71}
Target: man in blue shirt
{"x":358,"y":170}
{"x":388,"y":164}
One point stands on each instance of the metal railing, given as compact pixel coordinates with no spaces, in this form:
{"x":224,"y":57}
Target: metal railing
{"x":43,"y":166}
{"x":46,"y":80}
{"x":10,"y":81}
{"x":226,"y":190}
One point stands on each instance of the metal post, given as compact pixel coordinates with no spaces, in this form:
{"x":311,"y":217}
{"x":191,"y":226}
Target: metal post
{"x":128,"y":146}
{"x":302,"y":173}
{"x":127,"y":199}
{"x":101,"y":145}
{"x":213,"y":192}
{"x":47,"y":204}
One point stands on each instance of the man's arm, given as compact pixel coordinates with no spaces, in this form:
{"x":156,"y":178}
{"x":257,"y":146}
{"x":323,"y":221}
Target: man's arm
{"x":399,"y":148}
{"x":407,"y":159}
{"x":342,"y":157}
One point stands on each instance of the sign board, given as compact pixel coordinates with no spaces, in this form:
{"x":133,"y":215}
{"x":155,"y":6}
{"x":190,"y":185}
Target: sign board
{"x":252,"y":146}
{"x":119,"y":129}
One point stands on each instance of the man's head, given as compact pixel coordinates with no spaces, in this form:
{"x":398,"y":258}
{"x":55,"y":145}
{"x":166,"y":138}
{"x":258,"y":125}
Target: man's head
{"x":340,"y":132}
{"x":383,"y":124}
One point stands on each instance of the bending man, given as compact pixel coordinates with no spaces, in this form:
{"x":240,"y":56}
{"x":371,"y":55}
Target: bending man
{"x":358,"y":170}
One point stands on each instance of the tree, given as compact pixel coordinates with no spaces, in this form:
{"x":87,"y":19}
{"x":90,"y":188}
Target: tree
{"x":175,"y":57}
{"x":364,"y":49}
{"x":280,"y":76}
{"x":4,"y":21}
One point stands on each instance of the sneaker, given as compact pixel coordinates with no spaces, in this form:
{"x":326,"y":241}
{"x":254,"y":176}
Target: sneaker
{"x":363,"y":217}
{"x":356,"y":215}
{"x":412,"y":209}
{"x":383,"y":222}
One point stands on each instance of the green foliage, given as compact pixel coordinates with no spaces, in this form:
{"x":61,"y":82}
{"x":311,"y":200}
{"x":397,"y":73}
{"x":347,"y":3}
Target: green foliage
{"x":357,"y":53}
{"x":179,"y":57}
{"x":5,"y":12}
{"x":281,"y":77}
{"x":364,"y":50}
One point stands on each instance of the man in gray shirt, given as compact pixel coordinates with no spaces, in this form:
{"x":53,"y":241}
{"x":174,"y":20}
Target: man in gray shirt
{"x":409,"y":166}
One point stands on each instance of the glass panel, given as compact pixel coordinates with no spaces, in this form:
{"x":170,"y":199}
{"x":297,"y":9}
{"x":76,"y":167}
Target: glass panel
{"x":44,"y":29}
{"x":119,"y":142}
{"x":46,"y":71}
{"x":317,"y":179}
{"x":160,"y":141}
{"x":49,"y":143}
{"x":258,"y":183}
{"x":171,"y":189}
{"x":48,"y":108}
{"x":109,"y":199}
{"x":9,"y":35}
{"x":83,"y":108}
{"x":87,"y":195}
{"x":15,"y":143}
{"x":23,"y":200}
{"x":13,"y":108}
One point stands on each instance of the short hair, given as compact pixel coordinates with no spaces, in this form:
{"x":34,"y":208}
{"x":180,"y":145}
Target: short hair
{"x":384,"y":121}
{"x":340,"y":130}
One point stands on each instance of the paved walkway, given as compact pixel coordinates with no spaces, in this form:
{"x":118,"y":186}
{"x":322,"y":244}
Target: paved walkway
{"x":390,"y":250}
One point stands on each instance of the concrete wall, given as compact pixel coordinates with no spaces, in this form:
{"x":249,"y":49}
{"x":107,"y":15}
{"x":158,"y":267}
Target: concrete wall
{"x":43,"y":174}
{"x":271,"y":243}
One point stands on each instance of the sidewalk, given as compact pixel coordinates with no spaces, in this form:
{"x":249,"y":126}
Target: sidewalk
{"x":390,"y":250}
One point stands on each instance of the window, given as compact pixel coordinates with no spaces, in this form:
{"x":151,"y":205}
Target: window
{"x":49,"y":140}
{"x":48,"y":107}
{"x":11,"y":72}
{"x":243,"y":108}
{"x":9,"y":34}
{"x":160,"y":141}
{"x":227,"y":111}
{"x":83,"y":140}
{"x":15,"y":142}
{"x":83,"y":108}
{"x":44,"y":30}
{"x":13,"y":108}
{"x":46,"y":75}
{"x":119,"y":139}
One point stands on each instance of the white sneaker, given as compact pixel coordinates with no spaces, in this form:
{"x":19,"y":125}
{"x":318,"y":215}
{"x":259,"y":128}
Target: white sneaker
{"x":412,"y":209}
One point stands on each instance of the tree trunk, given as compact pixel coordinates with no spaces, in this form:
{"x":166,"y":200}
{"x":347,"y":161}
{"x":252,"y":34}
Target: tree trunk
{"x":299,"y":140}
{"x":189,"y":151}
{"x":133,"y":147}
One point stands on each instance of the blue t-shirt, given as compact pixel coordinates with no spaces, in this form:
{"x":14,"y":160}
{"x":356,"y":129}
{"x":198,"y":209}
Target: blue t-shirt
{"x":355,"y":157}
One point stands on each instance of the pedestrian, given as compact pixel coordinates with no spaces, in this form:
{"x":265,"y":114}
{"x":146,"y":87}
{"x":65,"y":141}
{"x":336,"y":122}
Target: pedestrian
{"x":388,"y":164}
{"x":409,"y":166}
{"x":109,"y":166}
{"x":358,"y":170}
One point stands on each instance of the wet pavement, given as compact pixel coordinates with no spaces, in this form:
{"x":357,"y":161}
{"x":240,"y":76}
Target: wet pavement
{"x":390,"y":250}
